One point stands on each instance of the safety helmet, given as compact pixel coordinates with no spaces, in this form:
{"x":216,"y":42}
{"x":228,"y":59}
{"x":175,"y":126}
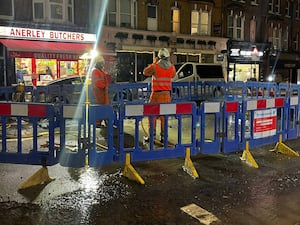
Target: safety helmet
{"x":163,"y":53}
{"x":99,"y":62}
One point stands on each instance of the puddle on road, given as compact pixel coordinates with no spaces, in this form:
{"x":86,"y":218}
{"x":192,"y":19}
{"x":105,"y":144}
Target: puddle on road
{"x":94,"y":188}
{"x":70,"y":202}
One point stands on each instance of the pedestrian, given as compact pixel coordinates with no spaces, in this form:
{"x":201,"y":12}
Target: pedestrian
{"x":48,"y":71}
{"x":19,"y":75}
{"x":100,"y":85}
{"x":162,"y":72}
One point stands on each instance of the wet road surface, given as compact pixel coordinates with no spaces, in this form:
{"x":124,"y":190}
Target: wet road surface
{"x":227,"y":188}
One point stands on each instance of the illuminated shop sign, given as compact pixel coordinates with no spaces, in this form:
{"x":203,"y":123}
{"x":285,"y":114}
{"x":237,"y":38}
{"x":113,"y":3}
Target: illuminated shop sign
{"x":42,"y":55}
{"x":45,"y":35}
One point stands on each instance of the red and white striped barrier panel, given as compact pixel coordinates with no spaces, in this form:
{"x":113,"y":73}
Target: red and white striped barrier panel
{"x":158,"y":109}
{"x":17,"y":109}
{"x":265,"y":103}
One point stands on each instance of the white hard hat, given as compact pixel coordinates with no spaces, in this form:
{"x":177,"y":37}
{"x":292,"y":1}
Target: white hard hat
{"x":163,"y":53}
{"x":100,"y":59}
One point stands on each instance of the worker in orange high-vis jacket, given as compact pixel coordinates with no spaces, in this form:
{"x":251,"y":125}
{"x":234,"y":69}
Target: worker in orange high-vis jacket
{"x":100,"y":85}
{"x":162,"y":72}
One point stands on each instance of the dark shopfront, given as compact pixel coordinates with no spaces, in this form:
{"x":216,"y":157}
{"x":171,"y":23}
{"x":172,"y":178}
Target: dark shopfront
{"x":285,"y":68}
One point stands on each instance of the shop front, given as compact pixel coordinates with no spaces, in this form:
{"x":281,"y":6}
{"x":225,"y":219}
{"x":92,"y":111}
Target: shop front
{"x":246,"y":61}
{"x":43,"y":55}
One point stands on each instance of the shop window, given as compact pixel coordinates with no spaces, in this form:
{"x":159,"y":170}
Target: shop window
{"x":53,"y":10}
{"x":122,"y":13}
{"x":7,"y":9}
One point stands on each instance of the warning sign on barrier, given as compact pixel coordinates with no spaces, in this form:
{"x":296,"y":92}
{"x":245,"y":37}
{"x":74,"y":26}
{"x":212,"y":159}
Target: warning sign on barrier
{"x":264,"y":123}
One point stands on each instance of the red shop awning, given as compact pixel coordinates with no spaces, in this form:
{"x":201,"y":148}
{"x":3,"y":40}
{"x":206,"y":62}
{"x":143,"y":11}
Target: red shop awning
{"x":45,"y":49}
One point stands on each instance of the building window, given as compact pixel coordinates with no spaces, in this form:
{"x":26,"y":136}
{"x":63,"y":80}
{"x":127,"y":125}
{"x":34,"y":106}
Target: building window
{"x":235,"y":26}
{"x":298,"y":9}
{"x":285,"y":39}
{"x":112,"y":14}
{"x":275,"y":36}
{"x":121,"y":13}
{"x":204,"y":22}
{"x":60,"y":11}
{"x":277,"y":7}
{"x":200,"y":21}
{"x":287,"y":8}
{"x":152,"y":17}
{"x":254,"y":2}
{"x":274,"y":6}
{"x":176,"y":18}
{"x":296,"y":42}
{"x":252,"y":29}
{"x":194,"y":21}
{"x":270,"y":6}
{"x":7,"y":9}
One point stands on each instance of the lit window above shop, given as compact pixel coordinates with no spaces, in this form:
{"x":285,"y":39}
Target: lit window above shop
{"x":59,"y":11}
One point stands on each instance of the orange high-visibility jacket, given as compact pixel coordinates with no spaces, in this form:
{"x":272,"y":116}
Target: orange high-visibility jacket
{"x":99,"y":79}
{"x":163,"y":79}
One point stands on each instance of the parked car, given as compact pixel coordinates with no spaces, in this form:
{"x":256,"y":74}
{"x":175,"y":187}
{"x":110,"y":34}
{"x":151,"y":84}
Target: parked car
{"x":62,"y":90}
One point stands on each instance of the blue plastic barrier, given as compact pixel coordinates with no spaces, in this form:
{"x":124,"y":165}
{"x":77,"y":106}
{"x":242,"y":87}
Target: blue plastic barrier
{"x":72,"y":138}
{"x":232,"y":127}
{"x":105,"y":154}
{"x":210,"y":127}
{"x":35,"y":154}
{"x":292,"y":112}
{"x":266,"y":121}
{"x":154,"y":149}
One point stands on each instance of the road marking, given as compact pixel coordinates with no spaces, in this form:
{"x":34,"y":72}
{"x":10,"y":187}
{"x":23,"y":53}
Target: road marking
{"x":200,"y":214}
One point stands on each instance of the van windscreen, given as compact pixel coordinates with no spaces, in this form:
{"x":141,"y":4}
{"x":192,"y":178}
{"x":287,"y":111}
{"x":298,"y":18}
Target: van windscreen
{"x":210,"y":71}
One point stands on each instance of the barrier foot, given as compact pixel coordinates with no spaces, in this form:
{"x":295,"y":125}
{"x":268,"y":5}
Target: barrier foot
{"x":130,"y":172}
{"x":38,"y":178}
{"x":188,"y":166}
{"x":247,"y":156}
{"x":284,"y":149}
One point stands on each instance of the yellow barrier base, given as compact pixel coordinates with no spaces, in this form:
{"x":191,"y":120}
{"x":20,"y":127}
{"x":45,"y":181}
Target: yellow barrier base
{"x":248,"y":158}
{"x":39,"y":177}
{"x":130,"y":172}
{"x":284,"y":149}
{"x":188,"y":166}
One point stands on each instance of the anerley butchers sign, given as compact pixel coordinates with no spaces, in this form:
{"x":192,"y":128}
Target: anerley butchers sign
{"x":45,"y":35}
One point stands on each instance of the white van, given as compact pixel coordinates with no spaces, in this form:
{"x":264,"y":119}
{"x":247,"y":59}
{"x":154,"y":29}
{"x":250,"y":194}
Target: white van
{"x":190,"y":72}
